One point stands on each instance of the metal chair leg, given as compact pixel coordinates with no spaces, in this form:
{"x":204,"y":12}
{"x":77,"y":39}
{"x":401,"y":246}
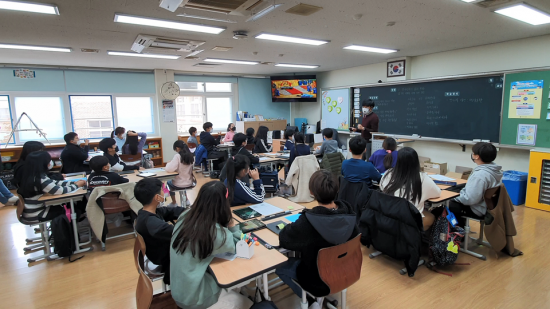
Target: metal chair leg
{"x":375,"y":254}
{"x":466,"y":248}
{"x":304,"y":304}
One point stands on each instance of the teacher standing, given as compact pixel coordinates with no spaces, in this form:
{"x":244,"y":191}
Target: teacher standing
{"x":369,"y":124}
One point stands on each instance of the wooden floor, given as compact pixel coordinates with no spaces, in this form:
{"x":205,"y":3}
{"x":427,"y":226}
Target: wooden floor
{"x":107,"y":279}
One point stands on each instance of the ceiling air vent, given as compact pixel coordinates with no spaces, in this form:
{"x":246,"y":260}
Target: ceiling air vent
{"x":162,"y":45}
{"x":492,"y":3}
{"x":206,"y":65}
{"x":222,"y":49}
{"x":231,"y":7}
{"x":89,"y":50}
{"x":304,"y":9}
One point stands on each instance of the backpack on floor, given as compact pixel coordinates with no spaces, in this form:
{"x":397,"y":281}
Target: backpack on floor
{"x":445,"y":241}
{"x":63,"y":237}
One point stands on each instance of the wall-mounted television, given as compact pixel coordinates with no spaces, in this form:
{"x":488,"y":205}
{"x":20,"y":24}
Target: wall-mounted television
{"x":298,"y":88}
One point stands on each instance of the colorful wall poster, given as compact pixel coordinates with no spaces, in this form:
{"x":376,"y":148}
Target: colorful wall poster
{"x":527,"y":134}
{"x":336,"y":108}
{"x":24,"y":73}
{"x":526,"y":99}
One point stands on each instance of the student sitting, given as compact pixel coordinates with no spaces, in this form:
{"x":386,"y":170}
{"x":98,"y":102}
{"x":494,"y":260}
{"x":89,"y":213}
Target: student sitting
{"x":260,"y":143}
{"x":384,"y":159}
{"x":29,"y":147}
{"x":300,"y":148}
{"x":240,"y":148}
{"x":250,"y":139}
{"x":119,"y":137}
{"x":132,"y":146}
{"x":183,"y":164}
{"x":289,"y":144}
{"x":329,"y":224}
{"x":405,"y":180}
{"x":108,"y":146}
{"x":209,"y":142}
{"x":101,"y":177}
{"x":356,"y":169}
{"x":329,"y":145}
{"x":73,"y":156}
{"x":192,"y":136}
{"x":202,"y":232}
{"x":230,"y":133}
{"x":151,"y":222}
{"x":240,"y":192}
{"x":485,"y":176}
{"x":35,"y":183}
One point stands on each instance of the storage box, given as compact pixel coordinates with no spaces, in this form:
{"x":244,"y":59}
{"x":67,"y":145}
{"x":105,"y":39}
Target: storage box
{"x":464,"y":171}
{"x":436,"y":168}
{"x":422,"y":160}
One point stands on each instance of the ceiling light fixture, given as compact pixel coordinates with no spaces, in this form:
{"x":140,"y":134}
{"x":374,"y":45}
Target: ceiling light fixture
{"x":146,"y":21}
{"x":263,"y":12}
{"x":29,"y":7}
{"x":303,"y":66}
{"x":127,"y":54}
{"x":231,"y":61}
{"x":208,"y":18}
{"x":525,"y":13}
{"x":371,"y":49}
{"x":290,"y":39}
{"x":468,"y":1}
{"x":38,"y":48}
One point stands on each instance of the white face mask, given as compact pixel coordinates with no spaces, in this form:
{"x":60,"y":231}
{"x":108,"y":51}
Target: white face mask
{"x":50,"y":165}
{"x":365,"y":110}
{"x":79,"y":142}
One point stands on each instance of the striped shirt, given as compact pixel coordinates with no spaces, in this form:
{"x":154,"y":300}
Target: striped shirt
{"x":35,"y":209}
{"x":243,"y":194}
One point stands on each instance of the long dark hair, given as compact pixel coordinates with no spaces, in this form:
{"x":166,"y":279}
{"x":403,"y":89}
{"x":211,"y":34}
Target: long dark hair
{"x":405,"y":176}
{"x":262,"y":134}
{"x":198,"y":229}
{"x":233,"y":166}
{"x":30,"y":147}
{"x":389,"y":145}
{"x":132,"y":142}
{"x":229,"y":126}
{"x":117,"y":131}
{"x":35,"y":166}
{"x":185,"y":154}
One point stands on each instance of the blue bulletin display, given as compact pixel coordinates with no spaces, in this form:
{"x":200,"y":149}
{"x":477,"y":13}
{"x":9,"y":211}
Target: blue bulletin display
{"x":335,"y":107}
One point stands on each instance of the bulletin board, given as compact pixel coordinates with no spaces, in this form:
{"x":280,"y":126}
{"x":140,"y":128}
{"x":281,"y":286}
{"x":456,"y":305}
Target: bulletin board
{"x":526,"y":109}
{"x":335,"y":107}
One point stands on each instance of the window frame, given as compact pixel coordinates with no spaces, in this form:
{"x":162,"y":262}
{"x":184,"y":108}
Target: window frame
{"x":154,"y":123}
{"x":92,"y":95}
{"x":12,"y":140}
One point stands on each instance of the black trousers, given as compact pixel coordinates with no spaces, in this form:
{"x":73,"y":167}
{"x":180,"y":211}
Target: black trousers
{"x":220,"y":155}
{"x":460,"y":211}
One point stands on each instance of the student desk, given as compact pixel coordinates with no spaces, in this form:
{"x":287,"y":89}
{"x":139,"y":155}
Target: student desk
{"x":161,"y":174}
{"x":275,"y":201}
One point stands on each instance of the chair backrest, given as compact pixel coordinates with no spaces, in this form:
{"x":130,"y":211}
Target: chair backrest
{"x":144,"y":290}
{"x":112,"y":204}
{"x":249,"y":147}
{"x":131,"y":158}
{"x":20,"y":207}
{"x":340,"y":266}
{"x":191,"y":145}
{"x":491,"y":197}
{"x":142,"y":246}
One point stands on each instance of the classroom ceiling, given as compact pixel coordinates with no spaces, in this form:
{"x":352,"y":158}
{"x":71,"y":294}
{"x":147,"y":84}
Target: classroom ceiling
{"x":421,"y":27}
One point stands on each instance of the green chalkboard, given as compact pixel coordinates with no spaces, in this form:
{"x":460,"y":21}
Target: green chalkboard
{"x":510,"y":125}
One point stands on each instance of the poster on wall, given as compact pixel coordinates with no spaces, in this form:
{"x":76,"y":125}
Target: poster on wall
{"x":168,"y":111}
{"x":24,"y":73}
{"x":336,"y":108}
{"x":527,"y":134}
{"x":526,"y":99}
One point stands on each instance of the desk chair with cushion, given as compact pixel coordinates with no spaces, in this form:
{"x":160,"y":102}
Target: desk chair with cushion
{"x":182,"y":192}
{"x":491,"y":199}
{"x":113,"y":205}
{"x":339,"y":268}
{"x":144,"y":292}
{"x":43,"y":240}
{"x":129,"y":158}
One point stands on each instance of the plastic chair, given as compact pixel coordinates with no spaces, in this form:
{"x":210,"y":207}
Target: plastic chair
{"x":44,"y":239}
{"x":144,"y":292}
{"x":249,"y":147}
{"x":191,"y":145}
{"x":182,"y":192}
{"x":112,"y":205}
{"x":339,"y":268}
{"x":131,"y":158}
{"x":491,"y":199}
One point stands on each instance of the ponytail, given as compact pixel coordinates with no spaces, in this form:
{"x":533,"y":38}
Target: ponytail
{"x":390,"y":145}
{"x":185,"y":154}
{"x":233,"y":166}
{"x":112,"y":134}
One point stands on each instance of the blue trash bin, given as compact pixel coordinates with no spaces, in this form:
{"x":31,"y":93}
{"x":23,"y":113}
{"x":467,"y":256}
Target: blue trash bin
{"x":516,"y":185}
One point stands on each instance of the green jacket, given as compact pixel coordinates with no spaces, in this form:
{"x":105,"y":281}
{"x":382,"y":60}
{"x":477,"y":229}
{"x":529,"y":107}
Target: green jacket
{"x":192,"y":287}
{"x":333,"y":163}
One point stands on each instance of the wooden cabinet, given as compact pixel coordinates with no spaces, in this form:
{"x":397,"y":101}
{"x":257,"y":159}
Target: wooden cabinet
{"x":272,"y":125}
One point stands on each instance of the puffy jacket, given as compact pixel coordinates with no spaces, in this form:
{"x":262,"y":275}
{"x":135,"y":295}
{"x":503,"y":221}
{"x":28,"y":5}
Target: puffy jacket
{"x":354,"y":193}
{"x":393,"y":226}
{"x":200,"y":154}
{"x":333,"y":163}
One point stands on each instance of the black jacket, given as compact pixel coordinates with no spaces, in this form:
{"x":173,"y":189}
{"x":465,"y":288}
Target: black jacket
{"x":242,"y":151}
{"x":117,"y":163}
{"x":314,"y":230}
{"x":103,"y":179}
{"x":299,"y":150}
{"x":73,"y":157}
{"x":208,"y":141}
{"x":261,"y":146}
{"x":355,"y":193}
{"x":393,"y":226}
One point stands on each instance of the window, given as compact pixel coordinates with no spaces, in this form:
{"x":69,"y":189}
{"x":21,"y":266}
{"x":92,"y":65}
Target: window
{"x":191,"y":87}
{"x":189,"y":112}
{"x":92,"y":116}
{"x":218,"y":112}
{"x":45,"y":112}
{"x":135,"y":113}
{"x":5,"y":119}
{"x":218,"y":87}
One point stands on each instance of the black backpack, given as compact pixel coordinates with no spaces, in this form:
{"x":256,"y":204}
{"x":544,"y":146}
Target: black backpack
{"x":63,"y":237}
{"x":445,"y":241}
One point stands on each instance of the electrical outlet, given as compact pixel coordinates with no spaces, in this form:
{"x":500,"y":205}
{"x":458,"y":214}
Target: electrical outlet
{"x":533,"y":179}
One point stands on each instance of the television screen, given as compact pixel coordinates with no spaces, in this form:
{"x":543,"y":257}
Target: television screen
{"x":294,"y":88}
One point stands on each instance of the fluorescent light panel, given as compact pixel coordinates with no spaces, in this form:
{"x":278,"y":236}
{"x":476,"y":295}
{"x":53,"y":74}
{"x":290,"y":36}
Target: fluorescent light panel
{"x":145,"y":21}
{"x":290,"y":39}
{"x":208,"y":18}
{"x":126,"y":54}
{"x":231,"y":61}
{"x":525,"y":13}
{"x":38,"y":48}
{"x":263,"y":12}
{"x":303,"y":66}
{"x":371,"y":49}
{"x":468,"y":1}
{"x":29,"y":7}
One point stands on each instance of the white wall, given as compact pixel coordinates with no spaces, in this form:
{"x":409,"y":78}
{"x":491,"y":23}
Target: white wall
{"x":519,"y":54}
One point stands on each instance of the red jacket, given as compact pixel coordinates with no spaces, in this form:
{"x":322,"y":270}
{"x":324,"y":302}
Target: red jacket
{"x":370,"y":122}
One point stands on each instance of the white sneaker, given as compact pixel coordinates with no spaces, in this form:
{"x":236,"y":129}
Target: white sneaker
{"x":187,"y":202}
{"x":12,"y":201}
